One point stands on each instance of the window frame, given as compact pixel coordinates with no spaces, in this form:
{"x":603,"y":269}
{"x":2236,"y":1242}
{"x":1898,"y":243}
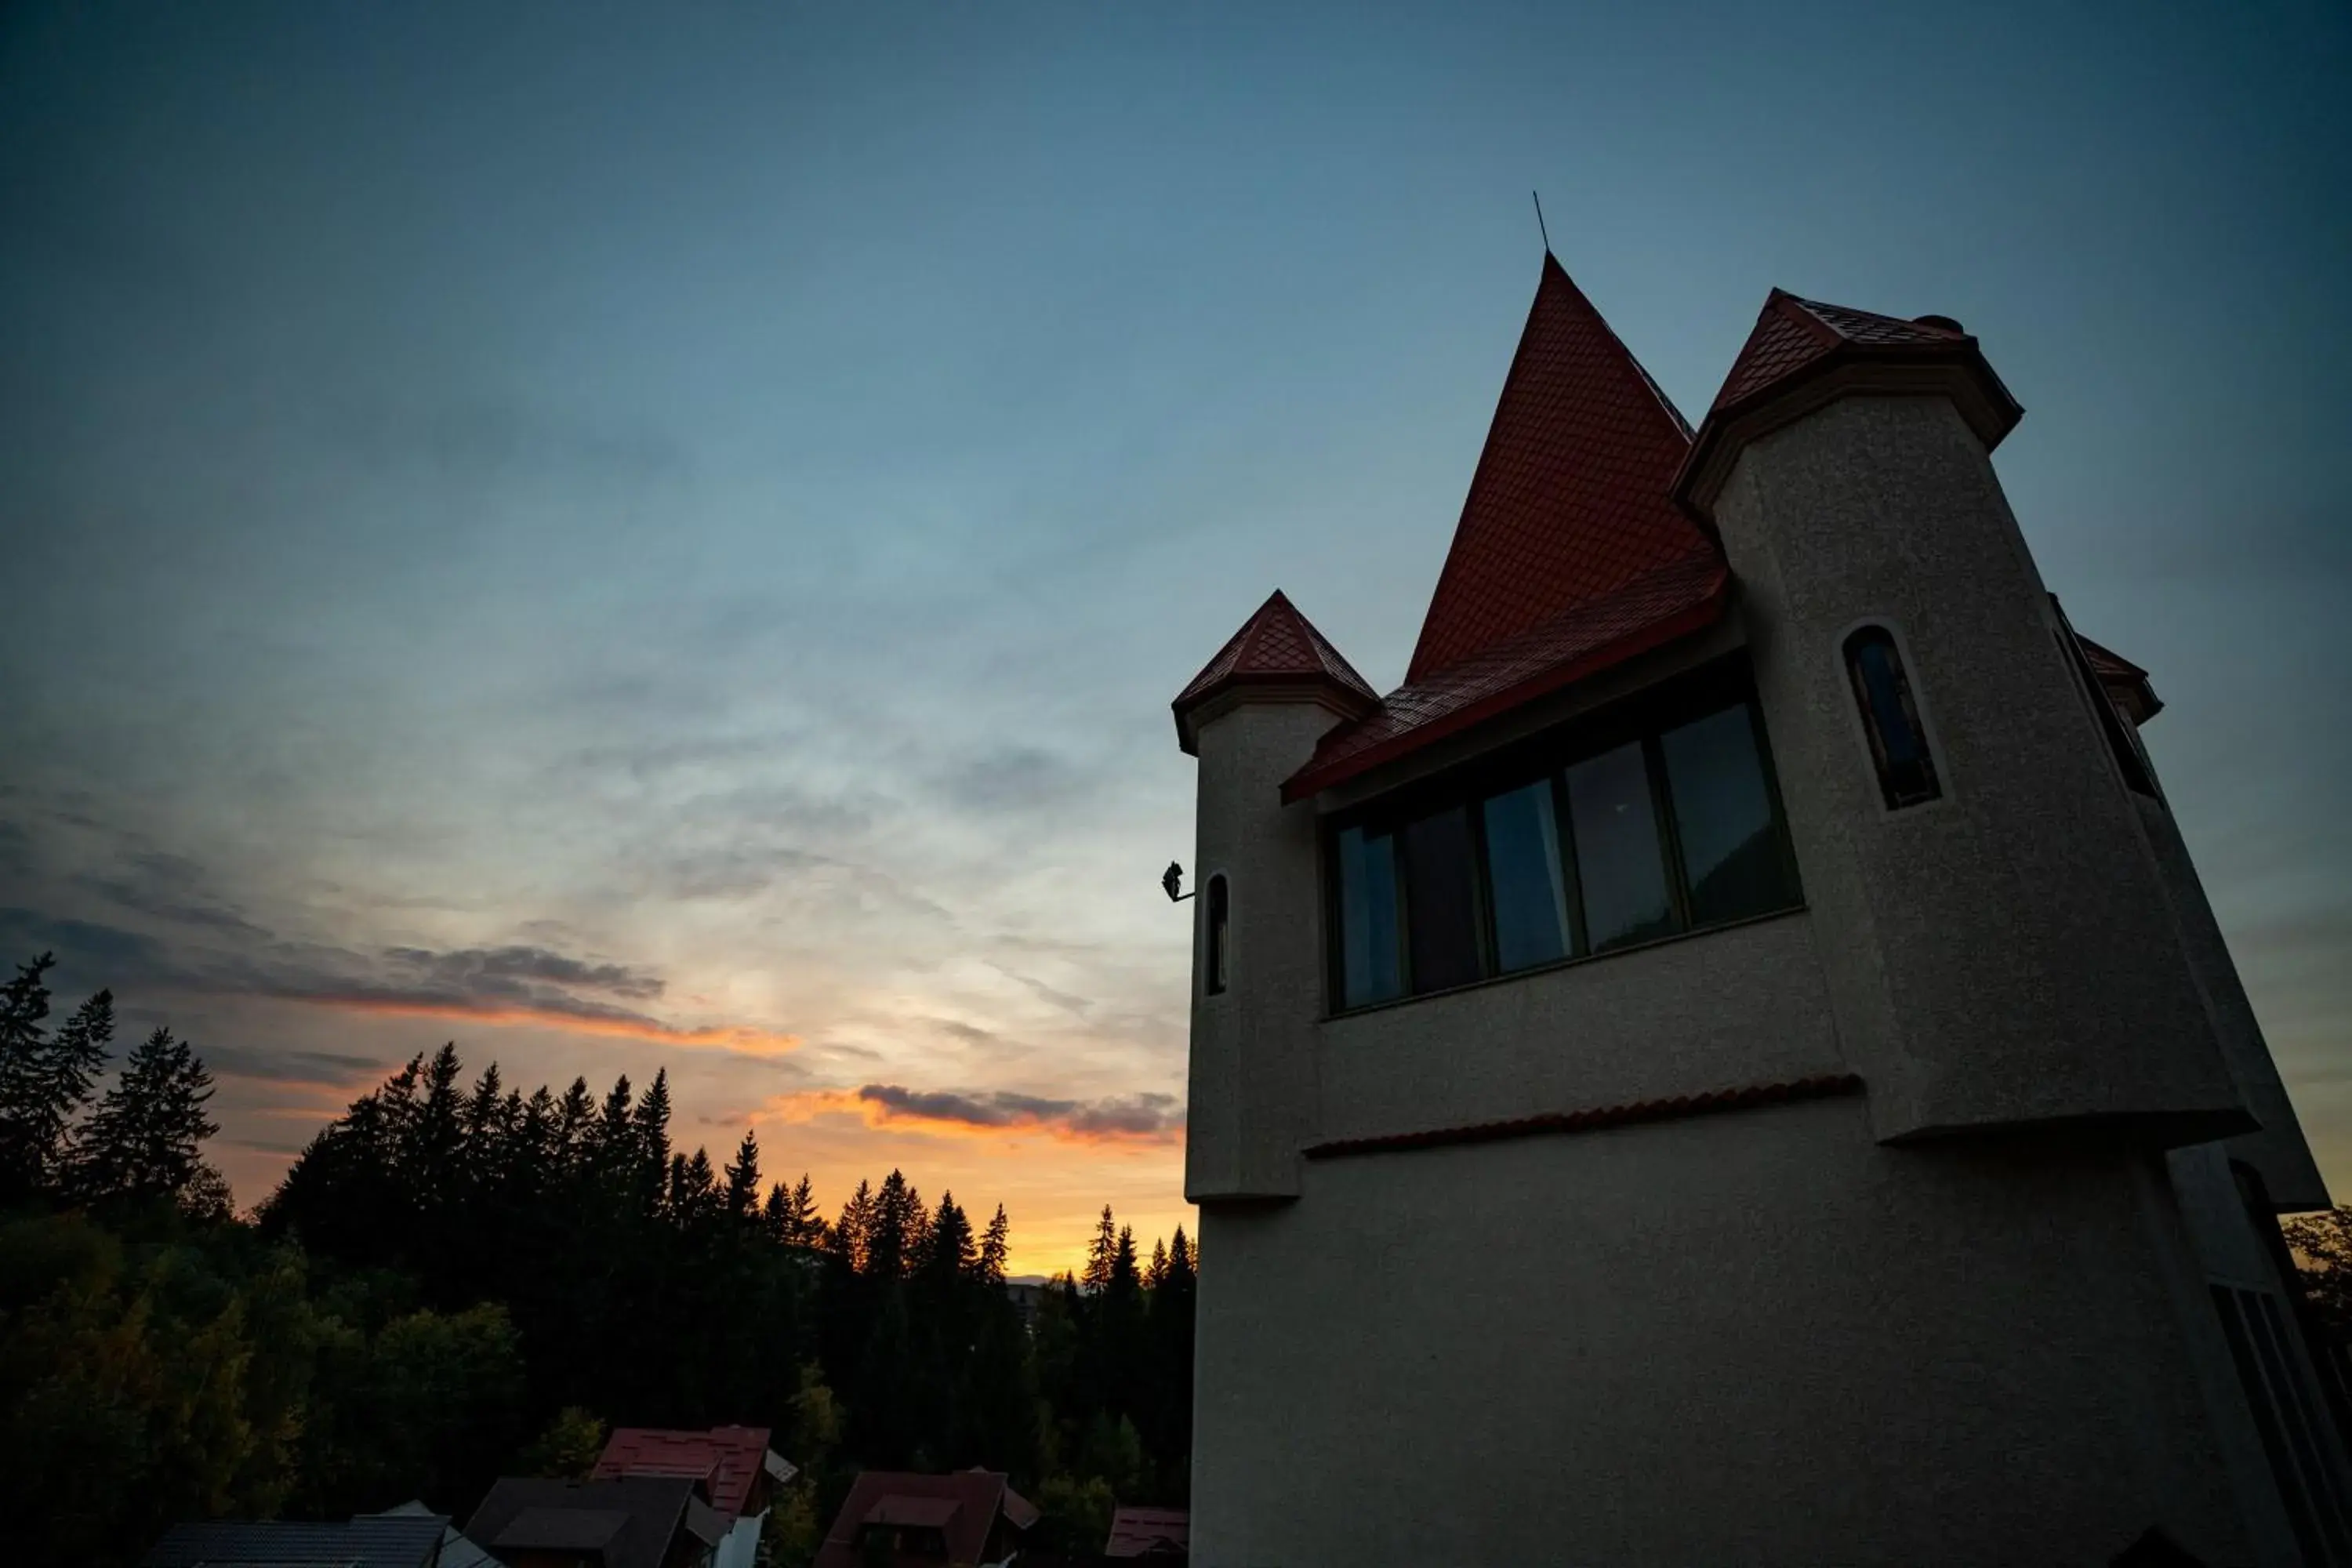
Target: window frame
{"x":1217,"y":935}
{"x":1859,"y":721}
{"x":1643,"y":717}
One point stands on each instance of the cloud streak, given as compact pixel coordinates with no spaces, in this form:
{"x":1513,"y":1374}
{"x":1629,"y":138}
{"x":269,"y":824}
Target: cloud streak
{"x":1148,"y":1118}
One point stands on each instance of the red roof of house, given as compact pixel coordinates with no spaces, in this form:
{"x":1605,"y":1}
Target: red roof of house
{"x":1570,"y":555}
{"x":1570,"y":499}
{"x":963,"y":1506}
{"x":1148,"y":1532}
{"x":2126,"y":682}
{"x":1649,"y":612}
{"x":1276,"y":645}
{"x":726,"y":1460}
{"x":1798,"y":341}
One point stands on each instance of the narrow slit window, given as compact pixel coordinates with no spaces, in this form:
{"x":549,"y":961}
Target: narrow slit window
{"x":1890,"y":717}
{"x":1216,"y":960}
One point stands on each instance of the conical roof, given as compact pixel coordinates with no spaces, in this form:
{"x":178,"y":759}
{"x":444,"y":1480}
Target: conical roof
{"x":1571,"y":500}
{"x":1803,"y":352}
{"x":1278,"y":646}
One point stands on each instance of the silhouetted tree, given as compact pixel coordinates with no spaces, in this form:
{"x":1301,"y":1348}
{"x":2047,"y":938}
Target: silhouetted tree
{"x":145,"y":1137}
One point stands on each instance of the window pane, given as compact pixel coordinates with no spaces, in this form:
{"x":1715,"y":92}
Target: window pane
{"x":1617,"y":858}
{"x":1723,"y":811}
{"x":1441,"y":901}
{"x":1898,"y":742}
{"x":1523,"y":870}
{"x":1368,"y":917}
{"x":1220,"y":913}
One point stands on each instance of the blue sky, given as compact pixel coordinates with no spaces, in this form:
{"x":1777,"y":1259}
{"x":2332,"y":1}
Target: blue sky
{"x":621,"y":536}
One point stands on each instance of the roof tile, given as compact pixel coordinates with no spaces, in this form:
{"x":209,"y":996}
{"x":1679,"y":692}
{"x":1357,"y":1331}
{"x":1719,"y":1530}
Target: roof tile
{"x":1570,"y":499}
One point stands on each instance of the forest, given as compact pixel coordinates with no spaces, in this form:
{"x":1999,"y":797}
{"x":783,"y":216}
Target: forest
{"x":458,"y":1281}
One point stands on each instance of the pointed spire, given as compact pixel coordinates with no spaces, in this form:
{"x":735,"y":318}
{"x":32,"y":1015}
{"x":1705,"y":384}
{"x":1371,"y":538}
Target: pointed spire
{"x":1275,"y":647}
{"x":1570,"y":501}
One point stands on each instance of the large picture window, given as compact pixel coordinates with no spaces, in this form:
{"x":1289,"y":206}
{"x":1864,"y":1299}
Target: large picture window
{"x":1579,"y":845}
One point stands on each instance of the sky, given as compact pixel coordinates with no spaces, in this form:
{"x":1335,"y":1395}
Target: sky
{"x":662,"y":537}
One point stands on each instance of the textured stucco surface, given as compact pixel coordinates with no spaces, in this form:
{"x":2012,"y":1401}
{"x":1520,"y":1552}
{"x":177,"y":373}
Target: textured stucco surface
{"x":1712,"y":1011}
{"x":1762,"y":1337}
{"x":1252,"y":1094}
{"x":2005,"y":954}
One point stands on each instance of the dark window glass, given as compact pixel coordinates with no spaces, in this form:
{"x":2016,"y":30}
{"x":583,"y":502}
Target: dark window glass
{"x":1215,"y":980}
{"x":1369,"y":971}
{"x":1723,"y":816}
{"x":1615,"y":823}
{"x":1890,"y":715}
{"x":1523,"y":871}
{"x":1441,"y":901}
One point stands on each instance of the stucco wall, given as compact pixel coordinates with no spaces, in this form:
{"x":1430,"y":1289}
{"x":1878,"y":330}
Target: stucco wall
{"x":1251,"y":1082}
{"x":2005,"y":954}
{"x":1714,"y":1010}
{"x":1761,"y":1338}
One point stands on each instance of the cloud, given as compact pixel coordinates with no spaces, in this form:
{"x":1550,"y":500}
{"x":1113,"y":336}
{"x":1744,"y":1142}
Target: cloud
{"x":522,"y":986}
{"x":331,"y":1069}
{"x":503,"y":971}
{"x":1131,"y":1117}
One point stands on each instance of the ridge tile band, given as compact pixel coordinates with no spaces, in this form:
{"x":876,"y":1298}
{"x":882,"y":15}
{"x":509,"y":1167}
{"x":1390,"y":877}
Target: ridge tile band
{"x":1596,"y":1119}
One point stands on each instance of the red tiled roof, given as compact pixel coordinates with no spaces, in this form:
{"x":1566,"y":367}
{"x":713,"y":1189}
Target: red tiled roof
{"x":1570,"y":501}
{"x":1276,"y":646}
{"x":964,"y":1505}
{"x":1143,"y":1531}
{"x":1669,"y":602}
{"x":1798,"y":341}
{"x":1822,"y":1087}
{"x":727,"y":1459}
{"x":1791,"y":333}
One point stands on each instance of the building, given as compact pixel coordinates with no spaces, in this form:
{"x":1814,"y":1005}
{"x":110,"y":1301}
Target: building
{"x":1160,"y":1533}
{"x":627,"y":1521}
{"x":400,"y":1540}
{"x":732,"y":1467}
{"x":1731,"y":1062}
{"x":901,"y":1516}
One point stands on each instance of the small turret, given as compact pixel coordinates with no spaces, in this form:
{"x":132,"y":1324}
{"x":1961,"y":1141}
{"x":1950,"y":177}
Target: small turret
{"x":1959,"y":803}
{"x":1253,"y":716}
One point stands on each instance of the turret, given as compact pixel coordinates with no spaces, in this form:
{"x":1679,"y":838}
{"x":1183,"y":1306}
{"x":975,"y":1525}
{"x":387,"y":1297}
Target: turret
{"x":1965,"y":803}
{"x":1251,"y":717}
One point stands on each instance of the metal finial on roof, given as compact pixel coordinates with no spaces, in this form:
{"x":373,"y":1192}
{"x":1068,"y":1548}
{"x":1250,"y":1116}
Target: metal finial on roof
{"x":1539,"y":221}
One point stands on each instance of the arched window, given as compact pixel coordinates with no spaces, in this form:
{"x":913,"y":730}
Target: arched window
{"x":1890,"y":717}
{"x":1213,"y":968}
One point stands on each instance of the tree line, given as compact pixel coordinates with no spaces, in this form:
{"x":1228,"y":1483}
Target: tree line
{"x":457,"y":1280}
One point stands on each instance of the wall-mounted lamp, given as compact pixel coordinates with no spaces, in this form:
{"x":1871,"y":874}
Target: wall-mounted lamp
{"x":1173,"y":878}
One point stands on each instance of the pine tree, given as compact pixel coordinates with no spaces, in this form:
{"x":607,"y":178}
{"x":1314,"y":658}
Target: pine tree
{"x":650,"y":1124}
{"x":993,"y":1247}
{"x":1101,"y":1252}
{"x":1157,"y":1272}
{"x":807,"y":1226}
{"x":947,"y":1251}
{"x":852,"y":1231}
{"x":743,"y":1178}
{"x":143,"y":1140}
{"x":45,"y":1078}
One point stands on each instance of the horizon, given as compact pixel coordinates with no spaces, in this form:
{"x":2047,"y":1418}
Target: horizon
{"x":670,"y":545}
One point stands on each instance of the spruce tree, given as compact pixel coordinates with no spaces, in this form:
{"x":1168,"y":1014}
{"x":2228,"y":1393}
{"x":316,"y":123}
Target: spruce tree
{"x":143,"y":1139}
{"x":743,"y":1178}
{"x":1100,"y":1254}
{"x":23,"y":1005}
{"x":993,"y":1247}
